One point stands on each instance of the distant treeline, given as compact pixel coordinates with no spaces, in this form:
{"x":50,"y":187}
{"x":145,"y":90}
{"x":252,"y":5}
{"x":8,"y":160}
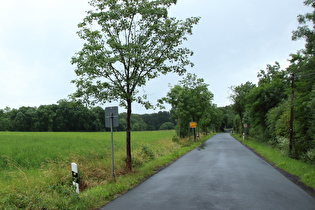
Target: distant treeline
{"x":66,"y":116}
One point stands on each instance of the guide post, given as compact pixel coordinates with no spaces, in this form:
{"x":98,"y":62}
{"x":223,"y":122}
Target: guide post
{"x":75,"y":177}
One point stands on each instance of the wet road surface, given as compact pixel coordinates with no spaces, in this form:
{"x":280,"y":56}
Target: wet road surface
{"x":220,"y":174}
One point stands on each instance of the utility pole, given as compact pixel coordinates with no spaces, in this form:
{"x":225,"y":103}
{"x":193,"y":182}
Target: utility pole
{"x":291,"y":115}
{"x":291,"y":144}
{"x":111,"y":121}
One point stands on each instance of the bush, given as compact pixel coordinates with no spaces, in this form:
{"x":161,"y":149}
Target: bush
{"x":310,"y":154}
{"x":167,"y":126}
{"x":147,"y":153}
{"x":175,"y":139}
{"x":283,"y":144}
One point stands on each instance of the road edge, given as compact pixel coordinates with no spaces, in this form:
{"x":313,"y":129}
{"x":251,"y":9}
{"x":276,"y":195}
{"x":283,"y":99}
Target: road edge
{"x":293,"y":178}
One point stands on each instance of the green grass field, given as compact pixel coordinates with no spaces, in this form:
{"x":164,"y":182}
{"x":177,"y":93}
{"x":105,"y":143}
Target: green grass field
{"x":36,"y":167}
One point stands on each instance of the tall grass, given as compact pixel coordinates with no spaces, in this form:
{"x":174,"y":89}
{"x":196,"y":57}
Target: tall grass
{"x":35,"y":167}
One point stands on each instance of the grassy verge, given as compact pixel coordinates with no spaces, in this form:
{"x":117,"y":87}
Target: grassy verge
{"x":304,"y":171}
{"x":100,"y":195}
{"x":35,"y":167}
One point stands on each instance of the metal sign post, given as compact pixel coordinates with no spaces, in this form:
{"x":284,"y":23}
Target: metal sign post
{"x":111,"y":121}
{"x":193,"y":125}
{"x":245,"y":130}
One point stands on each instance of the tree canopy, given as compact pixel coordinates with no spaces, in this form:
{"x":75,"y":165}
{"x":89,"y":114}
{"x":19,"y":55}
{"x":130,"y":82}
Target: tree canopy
{"x":281,"y":106}
{"x":191,"y":101}
{"x":127,"y":43}
{"x":67,"y":116}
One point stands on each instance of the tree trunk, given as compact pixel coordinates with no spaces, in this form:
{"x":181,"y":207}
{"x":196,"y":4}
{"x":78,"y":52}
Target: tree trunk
{"x":128,"y":138}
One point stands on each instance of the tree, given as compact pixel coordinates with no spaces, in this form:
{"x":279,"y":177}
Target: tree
{"x":212,"y":119}
{"x":302,"y":67}
{"x":239,"y":98}
{"x":127,"y":43}
{"x":5,"y":122}
{"x":282,"y":96}
{"x":155,"y":120}
{"x":271,"y":90}
{"x":167,"y":126}
{"x":25,"y":119}
{"x":190,"y":100}
{"x":46,"y":116}
{"x":304,"y":31}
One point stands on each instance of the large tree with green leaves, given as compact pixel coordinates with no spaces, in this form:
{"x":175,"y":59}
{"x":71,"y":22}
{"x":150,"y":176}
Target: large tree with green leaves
{"x":190,"y":101}
{"x":303,"y":68}
{"x":270,"y":92}
{"x":127,"y":43}
{"x":238,"y":97}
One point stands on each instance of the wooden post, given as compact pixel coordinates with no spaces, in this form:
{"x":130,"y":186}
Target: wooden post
{"x":291,"y":116}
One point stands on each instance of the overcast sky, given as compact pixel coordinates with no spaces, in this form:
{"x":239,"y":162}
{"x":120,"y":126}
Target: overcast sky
{"x":232,"y":42}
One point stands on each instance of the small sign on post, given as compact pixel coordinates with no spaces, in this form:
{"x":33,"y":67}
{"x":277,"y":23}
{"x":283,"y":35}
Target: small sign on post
{"x":111,"y":121}
{"x":75,"y":177}
{"x":111,"y":117}
{"x":192,"y":124}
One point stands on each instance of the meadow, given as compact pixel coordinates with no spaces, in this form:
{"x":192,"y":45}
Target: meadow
{"x":36,"y":167}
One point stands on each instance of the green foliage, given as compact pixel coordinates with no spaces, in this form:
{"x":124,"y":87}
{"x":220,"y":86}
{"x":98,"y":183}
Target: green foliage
{"x":283,"y":145}
{"x":147,"y":153}
{"x":155,"y":120}
{"x":69,"y":116}
{"x":239,"y":97}
{"x":167,"y":126}
{"x":237,"y":124}
{"x":175,"y":139}
{"x":278,"y":119}
{"x":268,"y":106}
{"x":191,"y":101}
{"x":128,"y":43}
{"x":64,"y":116}
{"x":271,"y":90}
{"x":228,"y":116}
{"x":311,"y":155}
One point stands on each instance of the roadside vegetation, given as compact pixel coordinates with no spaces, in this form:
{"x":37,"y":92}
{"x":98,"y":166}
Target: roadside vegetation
{"x":278,"y":157}
{"x":279,"y":110}
{"x":35,"y":171}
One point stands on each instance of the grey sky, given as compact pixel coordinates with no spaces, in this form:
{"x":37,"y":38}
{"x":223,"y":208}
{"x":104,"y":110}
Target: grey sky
{"x":233,"y":41}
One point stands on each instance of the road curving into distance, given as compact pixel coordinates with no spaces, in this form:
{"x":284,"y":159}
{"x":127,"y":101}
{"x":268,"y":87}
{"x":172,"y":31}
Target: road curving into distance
{"x":220,"y":174}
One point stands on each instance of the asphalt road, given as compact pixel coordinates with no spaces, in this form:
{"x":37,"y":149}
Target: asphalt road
{"x":221,"y":174}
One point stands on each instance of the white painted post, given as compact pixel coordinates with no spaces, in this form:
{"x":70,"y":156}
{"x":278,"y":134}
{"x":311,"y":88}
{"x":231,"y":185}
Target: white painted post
{"x":243,"y":136}
{"x":75,"y":175}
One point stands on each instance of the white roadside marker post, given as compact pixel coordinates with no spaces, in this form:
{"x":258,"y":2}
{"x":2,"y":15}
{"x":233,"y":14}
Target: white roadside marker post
{"x":75,"y":176}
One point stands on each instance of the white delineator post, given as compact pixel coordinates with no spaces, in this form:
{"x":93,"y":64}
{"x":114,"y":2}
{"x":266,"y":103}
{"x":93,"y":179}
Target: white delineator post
{"x":75,"y":175}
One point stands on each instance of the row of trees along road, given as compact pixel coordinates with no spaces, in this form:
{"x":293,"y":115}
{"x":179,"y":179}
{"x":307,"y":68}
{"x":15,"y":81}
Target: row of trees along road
{"x":283,"y":101}
{"x":191,"y":101}
{"x":69,"y":116}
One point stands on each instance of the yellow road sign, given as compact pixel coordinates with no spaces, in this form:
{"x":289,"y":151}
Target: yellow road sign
{"x":192,"y":124}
